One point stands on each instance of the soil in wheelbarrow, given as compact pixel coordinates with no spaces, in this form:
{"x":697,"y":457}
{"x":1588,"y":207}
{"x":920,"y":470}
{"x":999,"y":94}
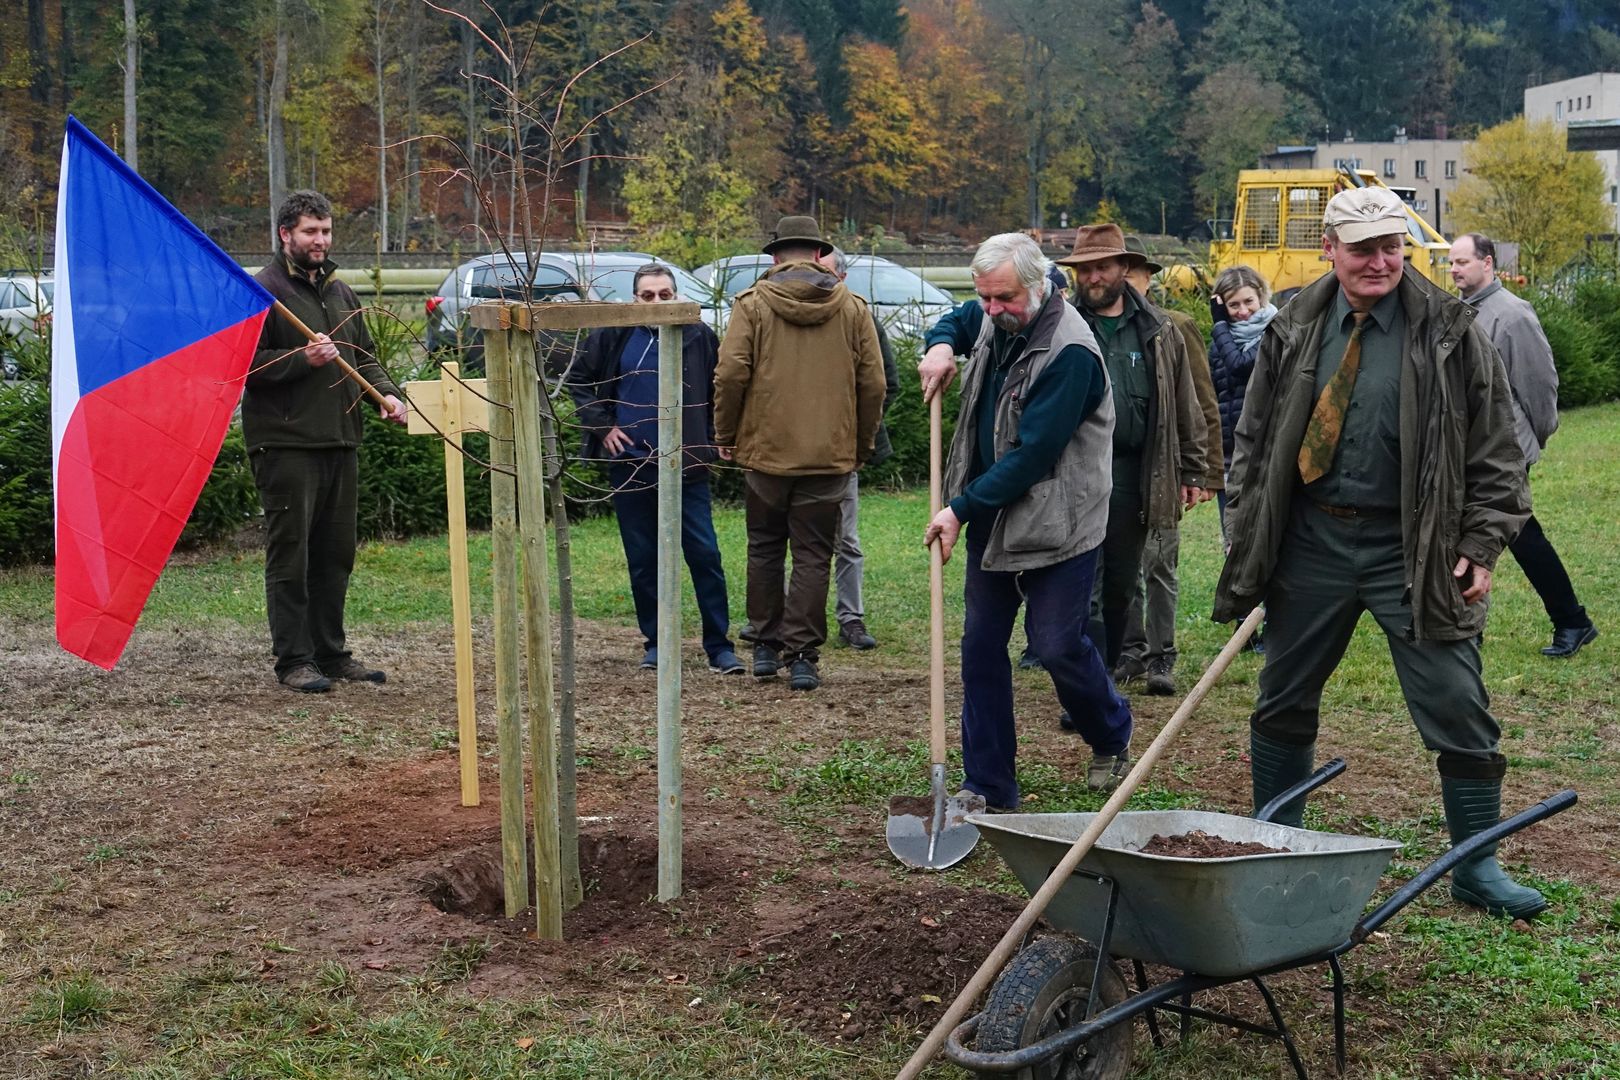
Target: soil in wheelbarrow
{"x":1198,"y":844}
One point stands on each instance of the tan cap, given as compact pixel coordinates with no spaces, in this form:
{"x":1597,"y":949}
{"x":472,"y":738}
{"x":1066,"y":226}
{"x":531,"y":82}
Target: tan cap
{"x":1358,"y":214}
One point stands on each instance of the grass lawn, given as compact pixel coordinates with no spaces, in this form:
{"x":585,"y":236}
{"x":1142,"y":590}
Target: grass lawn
{"x":1445,"y":994}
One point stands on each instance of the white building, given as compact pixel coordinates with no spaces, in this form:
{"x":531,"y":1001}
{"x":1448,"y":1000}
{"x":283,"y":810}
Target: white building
{"x":1424,"y":171}
{"x":1590,"y":99}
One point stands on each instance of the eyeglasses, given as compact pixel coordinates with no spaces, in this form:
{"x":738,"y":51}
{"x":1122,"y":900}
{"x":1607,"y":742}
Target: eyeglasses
{"x":647,"y":296}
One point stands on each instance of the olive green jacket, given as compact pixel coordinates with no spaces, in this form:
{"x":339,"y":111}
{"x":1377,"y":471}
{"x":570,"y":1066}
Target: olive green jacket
{"x":1463,"y":486}
{"x":287,"y":403}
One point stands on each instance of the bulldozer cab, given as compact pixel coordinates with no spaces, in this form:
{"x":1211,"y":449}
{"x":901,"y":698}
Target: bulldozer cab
{"x":1277,"y":228}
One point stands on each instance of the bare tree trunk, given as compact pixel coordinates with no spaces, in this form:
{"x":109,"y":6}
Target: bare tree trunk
{"x":276,"y":134}
{"x":379,"y":31}
{"x":469,"y":57}
{"x":567,"y":781}
{"x":411,"y":186}
{"x":39,"y":84}
{"x":131,"y":56}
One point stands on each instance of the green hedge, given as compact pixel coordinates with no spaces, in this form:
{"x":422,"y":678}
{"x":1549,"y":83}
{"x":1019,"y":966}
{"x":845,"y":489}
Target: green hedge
{"x":1585,"y":337}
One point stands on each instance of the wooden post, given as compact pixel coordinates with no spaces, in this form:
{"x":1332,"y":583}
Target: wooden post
{"x":503,"y":533}
{"x":455,"y":497}
{"x":531,"y":475}
{"x":669,"y":612}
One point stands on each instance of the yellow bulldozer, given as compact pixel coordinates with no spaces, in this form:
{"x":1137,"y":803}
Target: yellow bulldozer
{"x":1277,"y":228}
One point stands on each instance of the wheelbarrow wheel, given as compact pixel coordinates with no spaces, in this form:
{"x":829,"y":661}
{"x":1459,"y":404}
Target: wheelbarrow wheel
{"x":1045,"y":990}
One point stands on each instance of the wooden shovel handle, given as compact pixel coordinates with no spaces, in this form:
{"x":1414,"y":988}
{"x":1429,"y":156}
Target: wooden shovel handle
{"x":1037,"y":905}
{"x":936,"y":596}
{"x":348,"y":369}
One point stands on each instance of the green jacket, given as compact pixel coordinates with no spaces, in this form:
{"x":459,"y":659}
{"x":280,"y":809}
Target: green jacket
{"x":1177,"y":428}
{"x":1463,"y":485}
{"x":289,"y":405}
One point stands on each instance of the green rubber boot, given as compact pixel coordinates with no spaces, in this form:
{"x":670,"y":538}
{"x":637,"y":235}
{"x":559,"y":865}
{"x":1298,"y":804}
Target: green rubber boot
{"x":1274,"y":767}
{"x":1472,"y":806}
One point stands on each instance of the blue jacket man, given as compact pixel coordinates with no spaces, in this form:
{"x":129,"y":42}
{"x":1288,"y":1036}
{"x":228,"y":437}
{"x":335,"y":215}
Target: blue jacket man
{"x":616,"y":396}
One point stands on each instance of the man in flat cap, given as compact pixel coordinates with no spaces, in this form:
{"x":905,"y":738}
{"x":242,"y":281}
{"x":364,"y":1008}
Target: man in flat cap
{"x":1375,"y":468}
{"x":798,"y":396}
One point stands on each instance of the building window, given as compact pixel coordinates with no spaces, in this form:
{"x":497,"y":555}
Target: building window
{"x":1558,"y":110}
{"x":1451,"y":170}
{"x":1614,"y":193}
{"x":1389,"y":168}
{"x":1420,"y":169}
{"x":1588,"y":101}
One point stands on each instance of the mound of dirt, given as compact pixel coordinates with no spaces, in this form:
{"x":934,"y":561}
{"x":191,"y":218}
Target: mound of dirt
{"x":855,"y":962}
{"x":1198,"y":844}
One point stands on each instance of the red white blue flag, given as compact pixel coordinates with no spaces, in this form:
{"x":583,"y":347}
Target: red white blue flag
{"x":154,"y":329}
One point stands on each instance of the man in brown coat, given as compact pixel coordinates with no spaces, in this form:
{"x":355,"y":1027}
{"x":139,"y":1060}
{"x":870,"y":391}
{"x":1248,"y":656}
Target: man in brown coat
{"x":798,"y":396}
{"x":1150,"y":625}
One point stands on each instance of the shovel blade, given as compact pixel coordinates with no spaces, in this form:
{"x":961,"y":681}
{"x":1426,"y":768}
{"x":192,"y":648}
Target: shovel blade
{"x":916,"y":841}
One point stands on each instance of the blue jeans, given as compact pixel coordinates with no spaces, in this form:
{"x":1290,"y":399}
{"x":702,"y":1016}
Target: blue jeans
{"x":1058,"y":598}
{"x":635,"y":503}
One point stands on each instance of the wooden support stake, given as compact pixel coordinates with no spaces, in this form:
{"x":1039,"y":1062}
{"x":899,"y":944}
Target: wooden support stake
{"x":531,"y":470}
{"x":669,"y":611}
{"x":508,"y":676}
{"x":455,"y":493}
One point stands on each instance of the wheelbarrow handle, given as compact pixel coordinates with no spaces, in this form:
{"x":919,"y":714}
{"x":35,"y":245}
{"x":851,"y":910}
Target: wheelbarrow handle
{"x":1442,"y":866}
{"x":1304,"y":787}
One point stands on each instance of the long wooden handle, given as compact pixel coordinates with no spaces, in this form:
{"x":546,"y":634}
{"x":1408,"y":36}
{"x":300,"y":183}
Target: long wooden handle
{"x":1037,"y":904}
{"x":936,"y":596}
{"x":348,"y":369}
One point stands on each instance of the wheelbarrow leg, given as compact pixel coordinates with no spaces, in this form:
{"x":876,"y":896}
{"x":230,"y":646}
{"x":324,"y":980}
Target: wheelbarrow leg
{"x":1283,"y":1033}
{"x":1338,"y":1014}
{"x":1152,"y":1014}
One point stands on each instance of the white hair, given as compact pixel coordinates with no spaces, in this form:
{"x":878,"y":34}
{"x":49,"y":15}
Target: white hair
{"x":1028,"y":264}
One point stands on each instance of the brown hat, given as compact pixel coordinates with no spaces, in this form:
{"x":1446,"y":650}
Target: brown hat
{"x":798,"y":232}
{"x":1095,"y":242}
{"x":1134,"y":245}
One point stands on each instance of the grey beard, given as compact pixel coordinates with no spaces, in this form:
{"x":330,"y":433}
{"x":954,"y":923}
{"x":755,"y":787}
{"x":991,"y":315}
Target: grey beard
{"x":1008,"y":322}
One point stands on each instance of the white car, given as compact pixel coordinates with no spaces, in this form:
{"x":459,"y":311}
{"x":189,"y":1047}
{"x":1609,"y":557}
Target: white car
{"x":25,"y":311}
{"x":904,"y":303}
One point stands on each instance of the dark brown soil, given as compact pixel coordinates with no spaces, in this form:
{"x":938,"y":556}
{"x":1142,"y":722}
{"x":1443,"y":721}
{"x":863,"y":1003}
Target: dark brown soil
{"x":1198,"y":844}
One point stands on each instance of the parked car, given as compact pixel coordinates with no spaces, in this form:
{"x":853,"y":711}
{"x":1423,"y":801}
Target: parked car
{"x":905,"y":303}
{"x":611,"y":274}
{"x":25,"y":312}
{"x":490,"y":277}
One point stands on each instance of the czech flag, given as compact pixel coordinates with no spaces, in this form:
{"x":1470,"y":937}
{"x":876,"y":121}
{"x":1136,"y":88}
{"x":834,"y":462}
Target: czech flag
{"x":154,"y":331}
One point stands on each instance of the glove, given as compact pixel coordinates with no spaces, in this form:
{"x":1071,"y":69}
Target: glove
{"x":1217,"y":310}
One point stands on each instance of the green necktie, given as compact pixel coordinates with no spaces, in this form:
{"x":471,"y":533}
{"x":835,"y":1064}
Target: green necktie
{"x":1327,"y":419}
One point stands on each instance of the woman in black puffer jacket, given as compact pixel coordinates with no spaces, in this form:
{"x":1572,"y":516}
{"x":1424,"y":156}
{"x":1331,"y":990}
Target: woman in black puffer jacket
{"x":1241,"y":307}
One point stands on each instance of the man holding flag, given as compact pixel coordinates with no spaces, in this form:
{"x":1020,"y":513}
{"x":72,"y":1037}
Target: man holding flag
{"x":302,"y":423}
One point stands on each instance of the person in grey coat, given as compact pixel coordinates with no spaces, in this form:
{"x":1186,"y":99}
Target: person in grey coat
{"x":1511,"y":324}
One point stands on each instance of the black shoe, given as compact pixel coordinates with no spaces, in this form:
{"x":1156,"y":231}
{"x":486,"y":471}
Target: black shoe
{"x":1567,"y":641}
{"x":1128,"y":670}
{"x":1159,"y":679}
{"x":1029,"y":661}
{"x":855,"y":635}
{"x":306,"y":679}
{"x":802,"y":675}
{"x":765,"y":662}
{"x":1066,"y":722}
{"x":352,"y":670}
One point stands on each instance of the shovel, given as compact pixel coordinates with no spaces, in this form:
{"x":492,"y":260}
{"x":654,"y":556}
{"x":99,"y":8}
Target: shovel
{"x":933,"y":833}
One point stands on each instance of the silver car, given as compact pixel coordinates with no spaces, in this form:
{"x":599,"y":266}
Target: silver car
{"x":611,"y":275}
{"x":25,"y":312}
{"x":904,"y":303}
{"x":491,"y":277}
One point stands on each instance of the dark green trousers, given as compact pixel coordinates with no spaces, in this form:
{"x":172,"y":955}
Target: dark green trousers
{"x":309,"y":499}
{"x":1330,"y":570}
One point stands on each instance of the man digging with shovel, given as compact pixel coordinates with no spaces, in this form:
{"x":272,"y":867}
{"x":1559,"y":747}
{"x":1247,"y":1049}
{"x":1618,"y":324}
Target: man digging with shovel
{"x":1029,"y":476}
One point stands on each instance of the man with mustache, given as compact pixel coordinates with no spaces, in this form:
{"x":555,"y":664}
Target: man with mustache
{"x":1028,"y":475}
{"x":1375,"y":468}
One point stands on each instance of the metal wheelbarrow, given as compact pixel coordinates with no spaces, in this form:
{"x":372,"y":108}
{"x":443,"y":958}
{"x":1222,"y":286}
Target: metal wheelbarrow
{"x":1060,"y":1011}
